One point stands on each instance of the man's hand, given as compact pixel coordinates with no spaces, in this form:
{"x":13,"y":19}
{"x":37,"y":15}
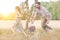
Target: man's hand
{"x":31,"y":19}
{"x":47,"y":21}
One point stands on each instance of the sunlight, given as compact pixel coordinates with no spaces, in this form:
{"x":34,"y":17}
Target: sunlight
{"x":7,"y":6}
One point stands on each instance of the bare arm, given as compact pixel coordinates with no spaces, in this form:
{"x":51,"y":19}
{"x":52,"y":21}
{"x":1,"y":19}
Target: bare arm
{"x":18,"y":11}
{"x":34,"y":14}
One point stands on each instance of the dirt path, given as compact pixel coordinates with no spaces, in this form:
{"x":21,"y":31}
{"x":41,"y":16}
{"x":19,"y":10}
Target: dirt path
{"x":9,"y":23}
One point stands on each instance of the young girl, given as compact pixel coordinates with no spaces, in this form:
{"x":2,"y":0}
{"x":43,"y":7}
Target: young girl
{"x":18,"y":25}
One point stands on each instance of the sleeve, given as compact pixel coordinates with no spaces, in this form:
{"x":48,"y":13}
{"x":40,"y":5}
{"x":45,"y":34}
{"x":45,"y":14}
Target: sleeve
{"x":47,"y":13}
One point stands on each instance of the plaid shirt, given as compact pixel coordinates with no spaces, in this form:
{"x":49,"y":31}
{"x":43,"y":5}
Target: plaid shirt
{"x":42,"y":11}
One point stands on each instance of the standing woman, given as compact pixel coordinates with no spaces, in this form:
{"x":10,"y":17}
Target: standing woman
{"x":18,"y":25}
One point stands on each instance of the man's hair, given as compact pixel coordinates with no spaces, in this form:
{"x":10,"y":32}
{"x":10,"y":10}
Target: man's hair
{"x":38,"y":3}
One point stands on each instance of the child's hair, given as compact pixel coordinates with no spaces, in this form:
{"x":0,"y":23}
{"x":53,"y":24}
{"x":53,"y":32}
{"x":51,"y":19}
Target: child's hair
{"x":17,"y":8}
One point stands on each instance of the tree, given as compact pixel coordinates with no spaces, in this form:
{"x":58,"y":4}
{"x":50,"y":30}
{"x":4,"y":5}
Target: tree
{"x":27,"y":10}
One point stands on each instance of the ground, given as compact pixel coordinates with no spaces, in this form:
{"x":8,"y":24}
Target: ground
{"x":7,"y":34}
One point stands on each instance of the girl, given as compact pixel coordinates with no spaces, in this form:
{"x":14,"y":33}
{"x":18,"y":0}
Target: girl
{"x":18,"y":25}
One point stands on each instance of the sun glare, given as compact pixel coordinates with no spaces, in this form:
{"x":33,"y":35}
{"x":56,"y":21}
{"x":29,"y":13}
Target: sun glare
{"x":7,"y":6}
{"x":4,"y":13}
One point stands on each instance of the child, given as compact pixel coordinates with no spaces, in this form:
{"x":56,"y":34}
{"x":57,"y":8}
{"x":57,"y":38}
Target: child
{"x":18,"y":25}
{"x":31,"y":25}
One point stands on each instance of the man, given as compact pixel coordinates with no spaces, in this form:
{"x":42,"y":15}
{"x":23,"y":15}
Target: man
{"x":18,"y":25}
{"x":44,"y":13}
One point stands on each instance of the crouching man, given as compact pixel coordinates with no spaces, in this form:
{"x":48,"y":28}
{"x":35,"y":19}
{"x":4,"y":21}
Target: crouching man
{"x":44,"y":13}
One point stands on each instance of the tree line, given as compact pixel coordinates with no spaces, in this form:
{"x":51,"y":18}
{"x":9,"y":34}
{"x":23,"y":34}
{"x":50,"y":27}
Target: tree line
{"x":53,"y":8}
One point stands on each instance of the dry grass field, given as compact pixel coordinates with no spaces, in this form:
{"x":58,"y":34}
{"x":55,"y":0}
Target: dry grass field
{"x":7,"y":34}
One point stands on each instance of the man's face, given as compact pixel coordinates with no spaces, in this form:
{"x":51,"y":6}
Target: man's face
{"x":37,"y":5}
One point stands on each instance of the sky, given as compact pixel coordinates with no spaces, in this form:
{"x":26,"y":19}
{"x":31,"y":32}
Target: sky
{"x":7,"y":6}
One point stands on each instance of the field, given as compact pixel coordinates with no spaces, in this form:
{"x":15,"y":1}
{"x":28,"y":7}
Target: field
{"x":7,"y":34}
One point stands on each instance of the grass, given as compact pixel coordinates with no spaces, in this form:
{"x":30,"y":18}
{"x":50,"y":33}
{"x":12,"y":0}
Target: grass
{"x":7,"y":34}
{"x":39,"y":34}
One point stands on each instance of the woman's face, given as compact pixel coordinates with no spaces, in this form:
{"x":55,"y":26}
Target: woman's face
{"x":37,"y":5}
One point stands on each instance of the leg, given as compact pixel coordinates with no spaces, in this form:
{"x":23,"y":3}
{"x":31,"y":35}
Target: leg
{"x":43,"y":24}
{"x":48,"y":27}
{"x":24,"y":33}
{"x":13,"y":30}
